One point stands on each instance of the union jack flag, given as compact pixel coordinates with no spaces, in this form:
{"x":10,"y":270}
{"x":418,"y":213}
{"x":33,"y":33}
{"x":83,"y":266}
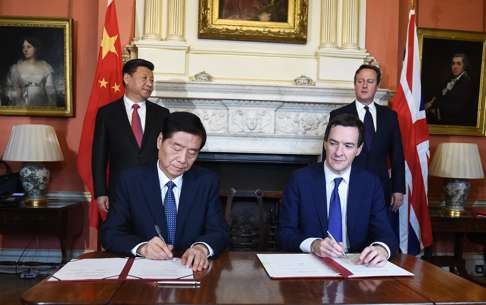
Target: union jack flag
{"x":415,"y":230}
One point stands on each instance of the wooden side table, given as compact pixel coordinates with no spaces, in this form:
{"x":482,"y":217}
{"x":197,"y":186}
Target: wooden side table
{"x":459,"y":226}
{"x":62,"y":219}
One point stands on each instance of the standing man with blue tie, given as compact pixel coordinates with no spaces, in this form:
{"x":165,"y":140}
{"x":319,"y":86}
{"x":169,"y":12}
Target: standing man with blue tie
{"x":333,"y":207}
{"x":126,"y":130}
{"x":383,"y":144}
{"x":169,"y":206}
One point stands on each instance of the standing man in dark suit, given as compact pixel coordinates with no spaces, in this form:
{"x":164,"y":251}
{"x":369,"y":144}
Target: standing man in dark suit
{"x":126,"y":130}
{"x":383,"y":144}
{"x":169,"y":205}
{"x":333,"y":207}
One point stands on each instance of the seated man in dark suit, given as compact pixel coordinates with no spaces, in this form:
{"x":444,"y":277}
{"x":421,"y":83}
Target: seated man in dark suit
{"x":333,"y":207}
{"x":169,"y":205}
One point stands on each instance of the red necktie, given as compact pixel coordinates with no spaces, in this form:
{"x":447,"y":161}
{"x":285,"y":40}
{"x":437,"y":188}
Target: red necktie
{"x":137,"y":125}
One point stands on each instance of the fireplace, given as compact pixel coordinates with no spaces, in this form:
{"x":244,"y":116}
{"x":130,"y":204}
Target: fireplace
{"x":251,"y":186}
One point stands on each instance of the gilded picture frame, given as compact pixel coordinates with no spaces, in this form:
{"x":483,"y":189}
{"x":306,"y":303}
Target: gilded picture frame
{"x":36,"y":67}
{"x":453,"y":82}
{"x":254,"y":20}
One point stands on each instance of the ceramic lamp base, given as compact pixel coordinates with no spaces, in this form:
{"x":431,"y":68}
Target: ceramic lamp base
{"x":35,"y":179}
{"x":456,"y":192}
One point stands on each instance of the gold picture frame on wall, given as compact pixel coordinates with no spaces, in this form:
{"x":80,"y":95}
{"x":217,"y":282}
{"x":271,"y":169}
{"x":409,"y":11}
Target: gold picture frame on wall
{"x":254,"y":20}
{"x":453,"y":82}
{"x":35,"y":71}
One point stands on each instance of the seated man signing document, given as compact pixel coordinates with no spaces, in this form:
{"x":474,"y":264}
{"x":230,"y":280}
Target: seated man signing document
{"x":169,"y":205}
{"x":331,"y":208}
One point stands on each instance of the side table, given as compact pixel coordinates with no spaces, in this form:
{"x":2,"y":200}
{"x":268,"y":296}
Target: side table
{"x":62,"y":219}
{"x":460,"y":226}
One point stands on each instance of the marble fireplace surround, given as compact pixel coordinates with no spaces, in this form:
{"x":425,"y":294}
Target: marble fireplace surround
{"x":258,"y":119}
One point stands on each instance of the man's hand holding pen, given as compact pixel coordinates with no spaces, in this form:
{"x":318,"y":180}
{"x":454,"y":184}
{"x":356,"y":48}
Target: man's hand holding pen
{"x":156,"y":248}
{"x":328,"y":247}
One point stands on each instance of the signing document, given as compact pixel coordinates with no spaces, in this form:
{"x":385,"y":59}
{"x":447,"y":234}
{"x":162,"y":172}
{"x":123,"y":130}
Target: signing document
{"x":122,"y":268}
{"x":305,"y":265}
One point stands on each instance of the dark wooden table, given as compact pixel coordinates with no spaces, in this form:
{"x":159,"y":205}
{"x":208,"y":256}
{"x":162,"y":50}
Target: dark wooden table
{"x":459,"y":226}
{"x":62,"y":219}
{"x":239,"y":278}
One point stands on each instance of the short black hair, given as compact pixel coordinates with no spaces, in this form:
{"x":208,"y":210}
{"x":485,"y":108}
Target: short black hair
{"x":346,"y":120}
{"x":371,"y":67}
{"x":183,"y":121}
{"x":131,"y":66}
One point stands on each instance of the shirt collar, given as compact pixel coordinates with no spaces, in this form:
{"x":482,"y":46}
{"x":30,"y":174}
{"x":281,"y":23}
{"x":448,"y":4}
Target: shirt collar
{"x":360,"y":106}
{"x":129,"y":103}
{"x":330,"y":175}
{"x":164,"y":179}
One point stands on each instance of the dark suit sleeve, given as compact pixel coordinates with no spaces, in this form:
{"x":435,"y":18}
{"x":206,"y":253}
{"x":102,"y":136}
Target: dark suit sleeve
{"x":379,"y":226}
{"x":99,"y":157}
{"x":289,"y":234}
{"x":117,"y":232}
{"x":396,"y":157}
{"x":215,"y":231}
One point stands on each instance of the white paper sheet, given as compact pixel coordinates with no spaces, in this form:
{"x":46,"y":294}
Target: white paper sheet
{"x":304,"y":265}
{"x":143,"y":268}
{"x":90,"y":269}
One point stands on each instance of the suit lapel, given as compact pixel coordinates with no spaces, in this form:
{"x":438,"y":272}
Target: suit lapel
{"x":186,"y":200}
{"x":152,"y":194}
{"x":319,"y":194}
{"x":352,"y":208}
{"x":379,"y":122}
{"x":149,"y":121}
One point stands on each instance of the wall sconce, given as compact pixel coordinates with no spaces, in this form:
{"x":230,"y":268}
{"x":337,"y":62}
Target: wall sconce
{"x":33,"y":145}
{"x":456,"y":162}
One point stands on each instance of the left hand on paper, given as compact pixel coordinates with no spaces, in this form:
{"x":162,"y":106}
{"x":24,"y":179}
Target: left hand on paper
{"x":373,"y":256}
{"x":196,"y":257}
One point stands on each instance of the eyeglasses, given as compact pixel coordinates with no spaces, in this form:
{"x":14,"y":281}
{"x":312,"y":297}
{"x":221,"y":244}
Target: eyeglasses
{"x":369,"y":81}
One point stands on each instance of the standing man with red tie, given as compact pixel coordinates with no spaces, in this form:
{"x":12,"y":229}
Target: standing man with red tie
{"x":383,"y":145}
{"x":126,"y":130}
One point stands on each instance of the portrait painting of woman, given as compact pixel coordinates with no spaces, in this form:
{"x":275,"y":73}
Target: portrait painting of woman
{"x":30,"y":81}
{"x":35,"y":70}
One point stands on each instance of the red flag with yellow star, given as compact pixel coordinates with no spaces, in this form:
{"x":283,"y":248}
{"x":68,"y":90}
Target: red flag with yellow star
{"x":107,"y":87}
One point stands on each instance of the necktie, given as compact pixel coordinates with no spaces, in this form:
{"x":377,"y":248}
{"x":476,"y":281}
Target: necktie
{"x":335,"y":216}
{"x":137,"y":125}
{"x":170,"y":212}
{"x":369,"y":128}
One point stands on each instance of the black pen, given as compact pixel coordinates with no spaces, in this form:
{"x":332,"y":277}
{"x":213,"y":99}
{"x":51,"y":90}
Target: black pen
{"x":159,"y":233}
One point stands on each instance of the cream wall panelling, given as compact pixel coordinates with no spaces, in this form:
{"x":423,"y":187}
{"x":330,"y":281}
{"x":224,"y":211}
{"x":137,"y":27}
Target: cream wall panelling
{"x":334,"y":49}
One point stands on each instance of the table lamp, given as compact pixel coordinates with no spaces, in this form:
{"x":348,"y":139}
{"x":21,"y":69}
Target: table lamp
{"x":457,"y":162}
{"x":33,"y":144}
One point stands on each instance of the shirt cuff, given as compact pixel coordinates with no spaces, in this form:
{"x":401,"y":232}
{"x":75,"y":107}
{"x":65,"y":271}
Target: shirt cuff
{"x":211,"y":251}
{"x":305,"y":246}
{"x":134,"y":249}
{"x":379,"y":243}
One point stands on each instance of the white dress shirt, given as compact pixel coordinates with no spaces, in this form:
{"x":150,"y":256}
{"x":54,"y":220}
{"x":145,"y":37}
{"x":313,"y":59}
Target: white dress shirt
{"x":362,"y":111}
{"x":305,"y":246}
{"x":142,"y":111}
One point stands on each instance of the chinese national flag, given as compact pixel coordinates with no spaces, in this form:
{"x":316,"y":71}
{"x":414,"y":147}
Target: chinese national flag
{"x":107,"y":87}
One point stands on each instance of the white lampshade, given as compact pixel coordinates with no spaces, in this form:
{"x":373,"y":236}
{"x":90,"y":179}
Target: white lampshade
{"x":33,"y":143}
{"x":457,"y":160}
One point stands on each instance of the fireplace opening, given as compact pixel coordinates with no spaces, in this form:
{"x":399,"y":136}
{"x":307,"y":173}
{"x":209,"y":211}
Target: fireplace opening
{"x":250,"y":189}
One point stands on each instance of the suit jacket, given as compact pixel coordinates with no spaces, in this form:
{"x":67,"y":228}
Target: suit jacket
{"x":303,"y":213}
{"x":387,"y":145}
{"x":114,"y":145}
{"x":138,"y":208}
{"x":459,"y":105}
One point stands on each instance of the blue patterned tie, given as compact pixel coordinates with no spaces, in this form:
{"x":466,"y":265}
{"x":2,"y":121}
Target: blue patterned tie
{"x":369,"y":128}
{"x":335,"y":216}
{"x":170,"y":212}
